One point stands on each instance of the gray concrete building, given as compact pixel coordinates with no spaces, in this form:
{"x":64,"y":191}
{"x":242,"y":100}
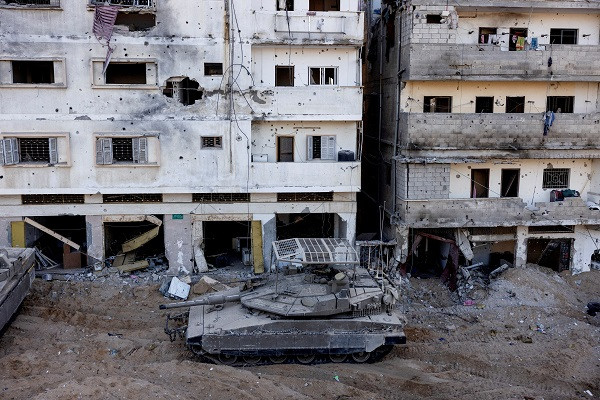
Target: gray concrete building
{"x":481,"y":116}
{"x":201,"y":127}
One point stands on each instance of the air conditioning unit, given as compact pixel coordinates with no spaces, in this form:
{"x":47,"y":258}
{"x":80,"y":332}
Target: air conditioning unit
{"x":260,"y":158}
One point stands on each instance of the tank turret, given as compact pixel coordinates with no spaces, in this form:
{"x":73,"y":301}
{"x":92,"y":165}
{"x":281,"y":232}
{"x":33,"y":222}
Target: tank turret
{"x":317,"y":304}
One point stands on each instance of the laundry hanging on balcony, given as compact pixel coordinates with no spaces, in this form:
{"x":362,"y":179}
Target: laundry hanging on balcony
{"x":104,"y":21}
{"x":548,"y":120}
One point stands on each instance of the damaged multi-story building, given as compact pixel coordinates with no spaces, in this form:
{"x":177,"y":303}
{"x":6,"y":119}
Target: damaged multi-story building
{"x":483,"y":122}
{"x":195,"y":129}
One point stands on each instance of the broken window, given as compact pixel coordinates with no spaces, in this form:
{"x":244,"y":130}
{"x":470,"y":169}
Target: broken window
{"x":324,"y":5}
{"x":563,"y":36}
{"x":285,"y":148}
{"x":484,"y":104}
{"x":509,"y":184}
{"x":50,"y":3}
{"x":126,"y":73}
{"x":285,"y":5}
{"x":556,"y":178}
{"x":29,"y":150}
{"x":212,"y":142}
{"x":221,"y":197}
{"x":515,"y":104}
{"x":213,"y":69}
{"x":33,"y":72}
{"x":434,"y":19}
{"x":560,"y":104}
{"x":121,"y":150}
{"x":321,"y":147}
{"x":302,"y":197}
{"x":487,"y":35}
{"x":516,"y":40}
{"x":437,"y":104}
{"x":133,"y":198}
{"x":323,"y":75}
{"x":480,"y":182}
{"x":136,"y":21}
{"x":284,"y":75}
{"x":52,"y":199}
{"x":183,"y":89}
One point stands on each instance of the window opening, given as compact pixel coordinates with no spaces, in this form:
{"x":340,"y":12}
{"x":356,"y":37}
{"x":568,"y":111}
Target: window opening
{"x":126,"y":74}
{"x":563,"y":36}
{"x":550,"y":253}
{"x":560,"y":104}
{"x":28,"y":150}
{"x":121,"y":150}
{"x":34,"y":150}
{"x":301,"y":197}
{"x":221,"y":197}
{"x":285,"y":148}
{"x":51,"y":3}
{"x":52,"y":199}
{"x":324,"y":5}
{"x":437,"y":104}
{"x":556,"y":178}
{"x":488,"y":35}
{"x":184,"y":90}
{"x":480,"y":182}
{"x":33,"y":72}
{"x":434,"y":19}
{"x":132,"y":198}
{"x":484,"y":104}
{"x":321,"y":147}
{"x":283,"y":5}
{"x":214,"y":142}
{"x":136,"y":21}
{"x":213,"y":69}
{"x":516,"y":40}
{"x":515,"y":104}
{"x":284,"y":75}
{"x":509,"y":185}
{"x":322,"y":75}
{"x":305,"y":225}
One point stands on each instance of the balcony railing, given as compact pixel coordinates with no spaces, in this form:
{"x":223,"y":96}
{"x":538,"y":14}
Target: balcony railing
{"x":125,"y":3}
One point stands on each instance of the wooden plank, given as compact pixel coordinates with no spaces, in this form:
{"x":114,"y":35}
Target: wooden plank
{"x":17,"y":230}
{"x":134,"y":266}
{"x":257,"y":247}
{"x":52,"y":233}
{"x":141,"y":240}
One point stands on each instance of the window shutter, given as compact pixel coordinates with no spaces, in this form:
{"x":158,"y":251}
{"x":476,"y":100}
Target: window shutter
{"x":10,"y":147}
{"x":104,"y":151}
{"x":309,"y":147}
{"x":140,"y":150}
{"x":328,"y":148}
{"x":53,"y":150}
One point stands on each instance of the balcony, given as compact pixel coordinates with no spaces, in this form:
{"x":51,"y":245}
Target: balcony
{"x":520,"y":133}
{"x":125,"y":3}
{"x":340,"y":27}
{"x":335,"y":103}
{"x":489,"y":63}
{"x":492,"y":212}
{"x":297,"y":177}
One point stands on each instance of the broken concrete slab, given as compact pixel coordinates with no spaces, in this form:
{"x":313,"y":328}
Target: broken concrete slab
{"x":208,"y":285}
{"x":126,"y":268}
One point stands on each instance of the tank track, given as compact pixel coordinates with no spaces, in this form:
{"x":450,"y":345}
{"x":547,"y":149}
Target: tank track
{"x":304,"y":358}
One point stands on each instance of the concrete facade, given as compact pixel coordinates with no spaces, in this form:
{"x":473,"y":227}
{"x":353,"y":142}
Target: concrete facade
{"x":190,"y":149}
{"x":431,"y":134}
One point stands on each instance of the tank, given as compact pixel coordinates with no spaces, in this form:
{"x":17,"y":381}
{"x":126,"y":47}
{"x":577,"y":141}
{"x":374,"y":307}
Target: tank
{"x":316,"y":305}
{"x":16,"y":276}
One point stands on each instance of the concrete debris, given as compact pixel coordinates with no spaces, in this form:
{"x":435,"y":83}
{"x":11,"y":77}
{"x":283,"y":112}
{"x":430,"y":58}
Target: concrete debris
{"x":494,"y":274}
{"x":178,"y":289}
{"x":201,"y":264}
{"x":208,"y":285}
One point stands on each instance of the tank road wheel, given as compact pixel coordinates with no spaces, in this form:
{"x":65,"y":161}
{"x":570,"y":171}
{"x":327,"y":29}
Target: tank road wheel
{"x":197,"y":350}
{"x":305,"y":358}
{"x":227,"y":359}
{"x":338,"y":358}
{"x":251,"y":360}
{"x":278,"y":359}
{"x":361,"y":356}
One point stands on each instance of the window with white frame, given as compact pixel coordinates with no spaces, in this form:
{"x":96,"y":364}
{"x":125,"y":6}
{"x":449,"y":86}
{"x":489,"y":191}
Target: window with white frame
{"x":323,"y":75}
{"x":29,"y":150}
{"x":125,"y":73}
{"x":33,"y":72}
{"x":114,"y":150}
{"x":556,"y":178}
{"x":321,"y":147}
{"x":212,"y":142}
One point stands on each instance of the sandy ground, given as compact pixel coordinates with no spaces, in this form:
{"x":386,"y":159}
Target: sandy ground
{"x":526,"y":338}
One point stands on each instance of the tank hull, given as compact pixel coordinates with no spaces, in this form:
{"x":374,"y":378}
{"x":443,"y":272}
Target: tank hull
{"x":20,"y":275}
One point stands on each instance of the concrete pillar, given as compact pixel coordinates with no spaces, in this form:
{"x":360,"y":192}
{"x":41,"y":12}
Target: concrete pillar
{"x":5,"y":231}
{"x":521,"y":246}
{"x":269,"y":235}
{"x":178,"y":243}
{"x":402,"y":239}
{"x":347,"y":228}
{"x":94,"y":230}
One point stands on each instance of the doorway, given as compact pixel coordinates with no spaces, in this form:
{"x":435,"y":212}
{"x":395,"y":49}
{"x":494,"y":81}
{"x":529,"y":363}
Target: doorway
{"x":480,"y":182}
{"x":509,"y":185}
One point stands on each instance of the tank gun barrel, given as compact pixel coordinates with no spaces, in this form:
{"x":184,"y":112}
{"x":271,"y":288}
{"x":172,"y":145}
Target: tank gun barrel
{"x":205,"y":301}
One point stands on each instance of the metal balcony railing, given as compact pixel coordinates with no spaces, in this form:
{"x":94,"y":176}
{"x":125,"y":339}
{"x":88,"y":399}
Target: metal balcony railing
{"x":34,"y":3}
{"x":125,"y":3}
